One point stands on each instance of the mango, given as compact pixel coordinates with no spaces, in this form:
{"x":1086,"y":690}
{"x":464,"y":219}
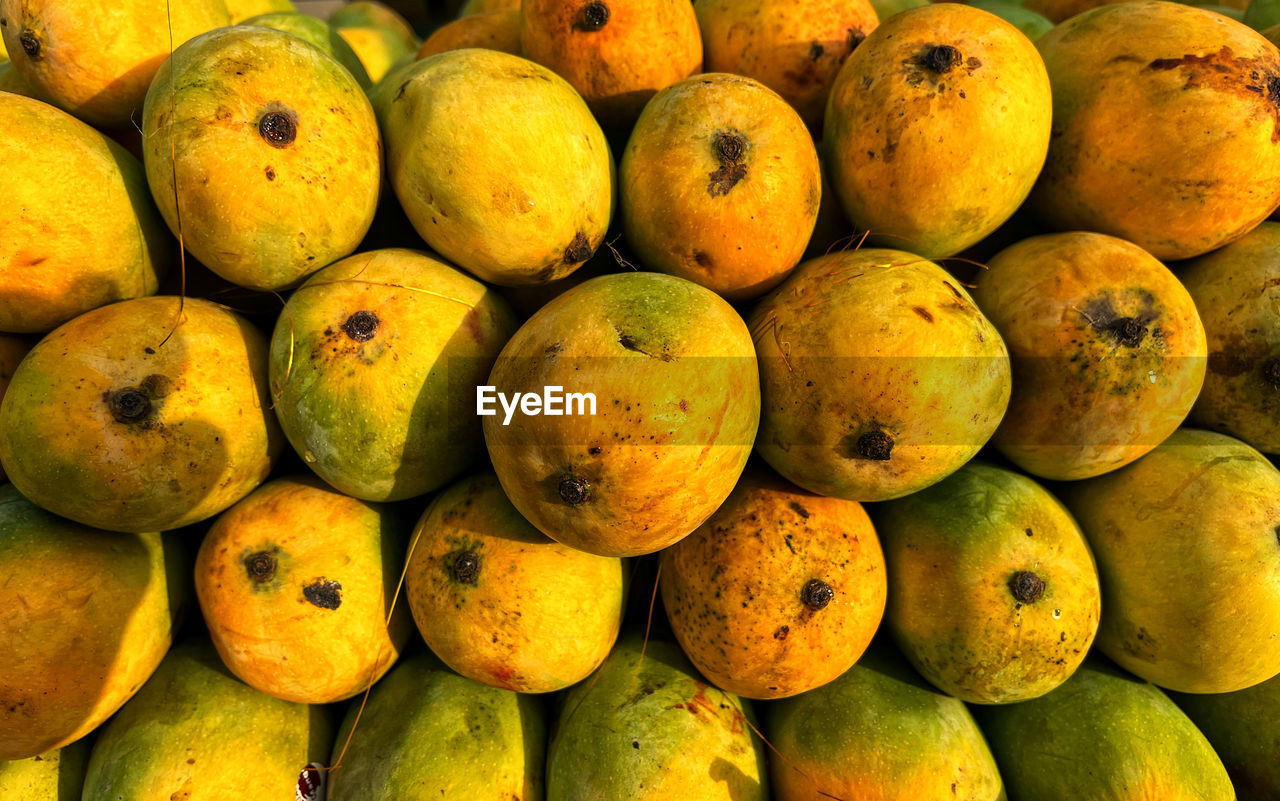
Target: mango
{"x":12,"y":349}
{"x":1241,"y":728}
{"x":1189,"y":557}
{"x":1031,"y":23}
{"x":720,"y":184}
{"x":263,"y":154}
{"x":667,"y":429}
{"x":372,"y":14}
{"x":11,"y":81}
{"x":242,"y":10}
{"x":90,"y":615}
{"x":494,"y":30}
{"x":377,"y":33}
{"x":54,"y":776}
{"x":145,"y":415}
{"x":315,"y":32}
{"x":470,"y":7}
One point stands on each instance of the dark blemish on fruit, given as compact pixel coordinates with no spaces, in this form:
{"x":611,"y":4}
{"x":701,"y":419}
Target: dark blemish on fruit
{"x":1028,"y":532}
{"x":729,"y":148}
{"x":593,"y":17}
{"x":573,"y":490}
{"x":815,"y":51}
{"x":579,"y":249}
{"x":466,"y":567}
{"x":923,"y":313}
{"x":855,"y":38}
{"x":816,"y":594}
{"x":1026,"y":587}
{"x":271,"y":174}
{"x":594,"y":450}
{"x":149,"y":351}
{"x":361,"y":326}
{"x":940,"y":59}
{"x":1271,"y":372}
{"x":129,"y":405}
{"x":260,"y":566}
{"x":1128,"y":331}
{"x":703,"y":260}
{"x":800,"y":510}
{"x":875,"y":445}
{"x":782,"y":632}
{"x":323,"y":593}
{"x":30,"y":44}
{"x":278,"y":128}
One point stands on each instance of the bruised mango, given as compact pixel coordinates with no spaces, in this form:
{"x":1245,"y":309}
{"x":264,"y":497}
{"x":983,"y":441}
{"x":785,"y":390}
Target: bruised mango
{"x":263,"y":153}
{"x":517,"y":189}
{"x":616,"y":53}
{"x":1188,"y":552}
{"x":1103,"y":736}
{"x":794,"y":48}
{"x":645,"y":728}
{"x":296,"y":583}
{"x":780,"y":591}
{"x":428,"y":734}
{"x":493,"y":596}
{"x":64,"y":252}
{"x":993,"y":591}
{"x":1107,"y":349}
{"x":666,"y":433}
{"x":1237,"y":293}
{"x":878,"y":733}
{"x":1126,"y":159}
{"x":879,"y":375}
{"x":53,"y":776}
{"x":936,"y":128}
{"x":1241,"y":728}
{"x":89,"y":616}
{"x":144,"y":415}
{"x":318,"y":33}
{"x":197,"y":733}
{"x":373,"y":367}
{"x":493,"y":30}
{"x":720,"y":184}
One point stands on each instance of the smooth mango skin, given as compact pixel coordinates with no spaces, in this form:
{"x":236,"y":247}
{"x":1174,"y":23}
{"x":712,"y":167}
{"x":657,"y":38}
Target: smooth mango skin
{"x":96,"y":60}
{"x":196,"y":733}
{"x":794,"y":48}
{"x":428,"y":734}
{"x":932,"y":158}
{"x":278,"y":156}
{"x":872,"y":344}
{"x":1187,"y":549}
{"x":494,"y":30}
{"x":1128,"y":160}
{"x":650,"y":730}
{"x":955,"y":609}
{"x":316,"y":32}
{"x":296,"y":583}
{"x":55,"y":776}
{"x":878,"y":733}
{"x":1241,"y":728}
{"x":12,"y":349}
{"x":493,"y":597}
{"x":641,"y":47}
{"x":1103,"y":736}
{"x":241,"y":10}
{"x":77,"y":229}
{"x":372,"y":14}
{"x":1237,"y":293}
{"x":734,"y":590}
{"x":720,"y":184}
{"x":144,"y":415}
{"x":1108,"y":352}
{"x":379,"y":49}
{"x":390,"y":416}
{"x":90,"y":614}
{"x":677,"y":404}
{"x":517,"y":189}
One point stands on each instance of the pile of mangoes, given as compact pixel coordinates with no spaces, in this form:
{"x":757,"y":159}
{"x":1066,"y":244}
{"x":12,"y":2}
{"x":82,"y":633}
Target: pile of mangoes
{"x":872,"y":400}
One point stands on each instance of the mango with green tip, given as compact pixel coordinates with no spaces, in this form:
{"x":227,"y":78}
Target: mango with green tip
{"x":879,"y":733}
{"x":493,"y":597}
{"x":374,"y":364}
{"x":91,"y":614}
{"x":195,"y":732}
{"x":646,"y":728}
{"x":428,"y":734}
{"x":315,"y":32}
{"x":54,"y":776}
{"x":1241,"y":728}
{"x":1103,"y":736}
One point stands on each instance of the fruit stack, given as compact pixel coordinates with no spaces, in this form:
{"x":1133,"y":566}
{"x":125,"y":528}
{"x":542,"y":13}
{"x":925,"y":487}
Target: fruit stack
{"x":637,"y":399}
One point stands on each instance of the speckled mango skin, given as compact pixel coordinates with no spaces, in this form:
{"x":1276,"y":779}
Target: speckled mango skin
{"x":736,"y":224}
{"x":242,"y":10}
{"x":429,"y":734}
{"x":54,"y":776}
{"x":878,"y":733}
{"x":1241,"y":728}
{"x":260,"y":214}
{"x":733,"y":590}
{"x":90,"y":615}
{"x":197,"y":733}
{"x":875,"y":341}
{"x":96,"y":60}
{"x":393,"y":416}
{"x":1188,"y":554}
{"x":794,"y":48}
{"x":315,"y":32}
{"x":677,"y":406}
{"x":650,"y":730}
{"x":1103,"y":736}
{"x":506,"y":626}
{"x":207,"y":440}
{"x":268,"y":632}
{"x":953,"y":550}
{"x":932,"y":161}
{"x":1132,"y":83}
{"x":1237,"y":293}
{"x":77,"y":229}
{"x":1087,"y":397}
{"x":493,"y":30}
{"x":517,"y":189}
{"x":643,"y":47}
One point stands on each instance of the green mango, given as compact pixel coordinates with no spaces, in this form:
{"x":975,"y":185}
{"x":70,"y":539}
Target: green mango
{"x":1262,"y":14}
{"x":1241,"y":727}
{"x":1033,"y":24}
{"x":55,"y":776}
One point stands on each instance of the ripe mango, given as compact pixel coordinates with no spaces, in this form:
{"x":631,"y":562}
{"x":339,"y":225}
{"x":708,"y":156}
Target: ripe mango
{"x":316,"y":32}
{"x":54,"y":776}
{"x":242,"y":10}
{"x":493,"y":30}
